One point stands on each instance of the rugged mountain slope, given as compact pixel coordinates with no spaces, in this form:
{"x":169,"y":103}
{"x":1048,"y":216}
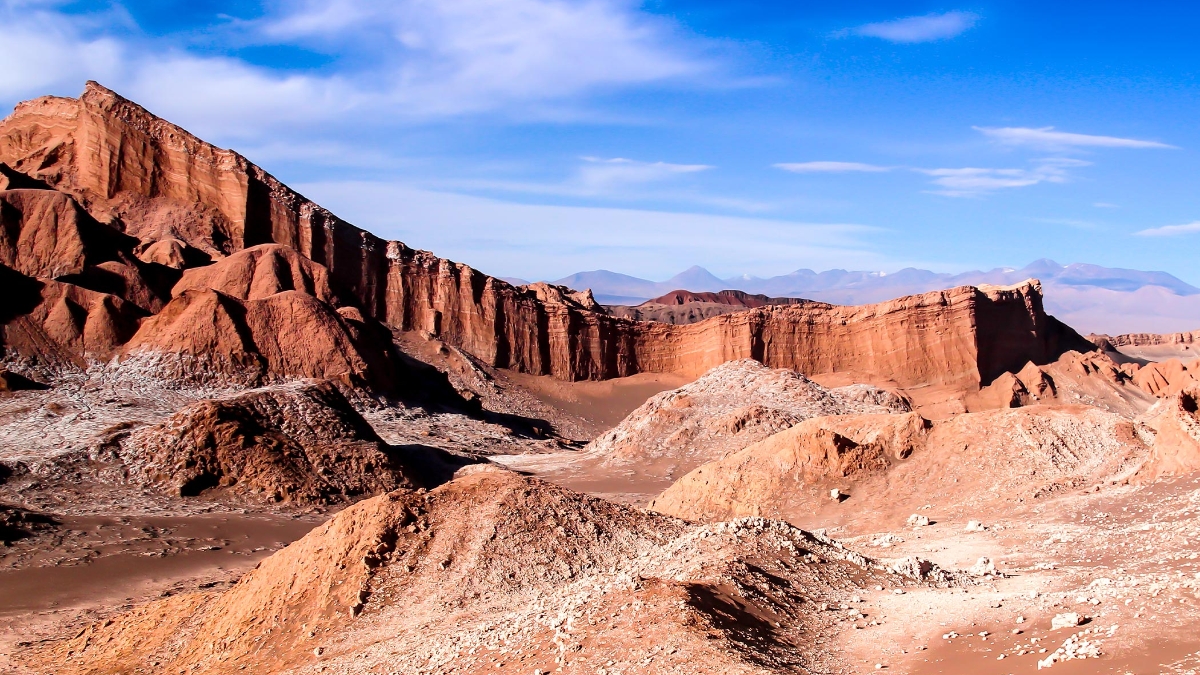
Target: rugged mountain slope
{"x":730,"y":407}
{"x":684,"y":307}
{"x":1175,"y":421}
{"x":507,"y":573}
{"x":301,"y":444}
{"x":176,"y":196}
{"x":986,"y":461}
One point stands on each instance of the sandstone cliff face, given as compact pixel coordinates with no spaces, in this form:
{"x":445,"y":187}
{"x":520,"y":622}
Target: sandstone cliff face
{"x":300,"y":444}
{"x":1151,"y":339}
{"x":155,"y":182}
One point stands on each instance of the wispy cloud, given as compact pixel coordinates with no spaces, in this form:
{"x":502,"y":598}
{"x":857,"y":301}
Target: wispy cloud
{"x":912,"y":29}
{"x":831,"y":167}
{"x":454,"y":56}
{"x":41,"y":47}
{"x":1069,"y":222}
{"x":604,"y":174}
{"x":388,"y":62}
{"x":1050,"y":139}
{"x":975,"y":181}
{"x":1106,"y":205}
{"x":1171,"y":230}
{"x":535,"y":241}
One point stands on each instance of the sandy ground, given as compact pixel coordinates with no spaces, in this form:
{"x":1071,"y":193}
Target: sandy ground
{"x":1183,"y":352}
{"x":91,"y":567}
{"x":1126,"y":558}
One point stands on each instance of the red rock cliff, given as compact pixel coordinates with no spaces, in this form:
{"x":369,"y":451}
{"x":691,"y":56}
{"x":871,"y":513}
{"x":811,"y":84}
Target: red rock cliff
{"x":158,"y":183}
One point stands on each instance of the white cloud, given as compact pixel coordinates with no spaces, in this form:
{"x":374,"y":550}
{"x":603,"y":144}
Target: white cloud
{"x":227,"y":99}
{"x":456,"y":56}
{"x":1048,"y":138}
{"x":973,"y":181}
{"x":1069,"y":222}
{"x":41,"y":49}
{"x":830,"y":167}
{"x":600,"y":175}
{"x":545,"y":241}
{"x":410,"y":59}
{"x":912,"y":29}
{"x":1106,"y":205}
{"x":1171,"y":230}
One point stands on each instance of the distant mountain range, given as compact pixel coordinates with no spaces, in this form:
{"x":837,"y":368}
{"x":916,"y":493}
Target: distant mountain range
{"x":1089,"y":297}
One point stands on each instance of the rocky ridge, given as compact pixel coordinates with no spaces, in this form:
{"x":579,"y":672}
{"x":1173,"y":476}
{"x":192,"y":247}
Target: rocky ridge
{"x":897,"y":463}
{"x":493,"y":570}
{"x":302,"y":443}
{"x":170,"y":198}
{"x":730,"y":407}
{"x":684,"y":307}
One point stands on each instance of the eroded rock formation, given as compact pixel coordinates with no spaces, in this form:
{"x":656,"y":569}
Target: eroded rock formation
{"x":300,"y":444}
{"x":500,"y":572}
{"x":894,"y":464}
{"x":176,"y":197}
{"x":684,"y":307}
{"x":730,"y":407}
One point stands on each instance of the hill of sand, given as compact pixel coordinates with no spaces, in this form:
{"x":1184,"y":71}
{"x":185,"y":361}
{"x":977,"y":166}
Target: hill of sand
{"x":988,"y":461}
{"x":496,"y":571}
{"x":730,"y":407}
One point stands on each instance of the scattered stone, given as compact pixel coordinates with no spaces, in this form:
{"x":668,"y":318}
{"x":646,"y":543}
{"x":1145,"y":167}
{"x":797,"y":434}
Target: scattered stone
{"x":1067,"y":620}
{"x":918,"y":520}
{"x":984,"y":567}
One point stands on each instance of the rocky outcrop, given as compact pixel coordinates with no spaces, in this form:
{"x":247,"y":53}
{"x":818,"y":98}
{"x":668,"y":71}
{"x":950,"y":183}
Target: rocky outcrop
{"x":1167,"y":378}
{"x":156,"y":182}
{"x":1175,"y":421}
{"x":684,"y":307}
{"x":260,"y":272}
{"x":729,"y":408}
{"x":298,"y":444}
{"x":1147,"y":339}
{"x":1092,"y":378}
{"x":207,"y":336}
{"x":776,"y":475}
{"x":61,"y":324}
{"x":495,"y":572}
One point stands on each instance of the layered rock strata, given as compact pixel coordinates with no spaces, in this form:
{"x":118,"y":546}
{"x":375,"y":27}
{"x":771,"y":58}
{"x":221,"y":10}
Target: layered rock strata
{"x":155,"y":182}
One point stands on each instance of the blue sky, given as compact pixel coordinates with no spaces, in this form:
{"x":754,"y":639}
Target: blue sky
{"x":536,"y":138}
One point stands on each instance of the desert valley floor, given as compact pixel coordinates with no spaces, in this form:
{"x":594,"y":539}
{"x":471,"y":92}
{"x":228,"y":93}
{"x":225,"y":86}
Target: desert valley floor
{"x":238,"y":434}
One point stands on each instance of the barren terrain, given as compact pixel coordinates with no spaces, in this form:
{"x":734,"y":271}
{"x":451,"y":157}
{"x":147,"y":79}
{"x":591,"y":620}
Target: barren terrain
{"x":239,"y":434}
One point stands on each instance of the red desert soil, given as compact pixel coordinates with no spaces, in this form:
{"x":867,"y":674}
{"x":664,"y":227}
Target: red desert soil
{"x":495,"y":571}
